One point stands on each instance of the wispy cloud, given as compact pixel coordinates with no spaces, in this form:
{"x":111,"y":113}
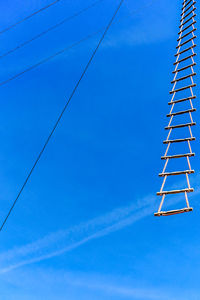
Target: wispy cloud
{"x":146,"y":25}
{"x":126,"y":291}
{"x":63,"y":241}
{"x":38,"y":279}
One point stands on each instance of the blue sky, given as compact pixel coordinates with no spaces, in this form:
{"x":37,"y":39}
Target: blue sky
{"x":84,"y":226}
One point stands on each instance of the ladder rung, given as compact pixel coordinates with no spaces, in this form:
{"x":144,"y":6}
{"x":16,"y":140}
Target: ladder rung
{"x":182,"y":100}
{"x":183,"y":88}
{"x":177,"y":156}
{"x":179,"y":140}
{"x":176,"y":173}
{"x":182,"y":112}
{"x":185,"y":58}
{"x":184,"y":68}
{"x":173,"y":212}
{"x":187,"y":20}
{"x":185,"y":5}
{"x":184,"y":17}
{"x":185,"y":1}
{"x":189,"y":40}
{"x":175,"y":191}
{"x":184,"y":29}
{"x":188,"y":8}
{"x":180,"y":125}
{"x":185,"y":50}
{"x":188,"y":33}
{"x":184,"y":77}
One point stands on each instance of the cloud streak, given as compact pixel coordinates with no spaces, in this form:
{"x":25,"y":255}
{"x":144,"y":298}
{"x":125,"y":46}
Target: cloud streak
{"x":63,"y":241}
{"x":38,"y":279}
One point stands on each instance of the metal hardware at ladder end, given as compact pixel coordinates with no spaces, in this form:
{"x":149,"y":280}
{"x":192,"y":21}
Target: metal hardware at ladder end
{"x":184,"y":72}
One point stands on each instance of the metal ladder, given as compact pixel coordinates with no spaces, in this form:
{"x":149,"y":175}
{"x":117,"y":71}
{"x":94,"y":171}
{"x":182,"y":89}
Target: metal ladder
{"x":185,"y":54}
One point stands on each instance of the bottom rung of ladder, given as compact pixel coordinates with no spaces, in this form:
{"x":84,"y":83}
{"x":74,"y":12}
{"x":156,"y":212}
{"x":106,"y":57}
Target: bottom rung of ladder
{"x":173,"y":212}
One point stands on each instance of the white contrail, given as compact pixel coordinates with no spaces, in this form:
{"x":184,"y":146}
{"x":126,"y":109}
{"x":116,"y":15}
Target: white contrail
{"x":66,"y":240}
{"x":39,"y":279}
{"x":63,"y":241}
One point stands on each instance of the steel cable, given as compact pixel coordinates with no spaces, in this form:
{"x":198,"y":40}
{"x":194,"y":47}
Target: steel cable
{"x":65,"y":49}
{"x":62,"y":112}
{"x":50,"y":29}
{"x":29,"y":16}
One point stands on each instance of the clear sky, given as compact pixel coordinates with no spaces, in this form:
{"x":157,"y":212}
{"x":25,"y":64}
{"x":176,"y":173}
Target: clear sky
{"x":84,"y":227}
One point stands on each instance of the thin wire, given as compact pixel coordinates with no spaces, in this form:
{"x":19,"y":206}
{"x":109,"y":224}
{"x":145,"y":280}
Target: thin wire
{"x":50,"y":29}
{"x":30,"y":16}
{"x":67,"y":48}
{"x":65,"y":107}
{"x":51,"y":57}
